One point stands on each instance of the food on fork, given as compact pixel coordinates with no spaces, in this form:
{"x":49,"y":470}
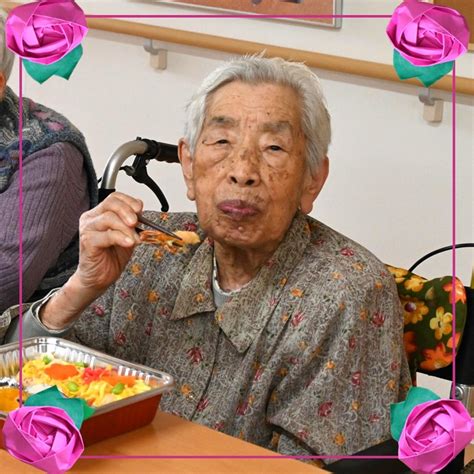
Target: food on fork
{"x":189,"y":238}
{"x":159,"y":238}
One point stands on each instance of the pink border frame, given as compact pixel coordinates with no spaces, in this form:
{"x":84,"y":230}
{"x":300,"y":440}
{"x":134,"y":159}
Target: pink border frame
{"x":453,"y":229}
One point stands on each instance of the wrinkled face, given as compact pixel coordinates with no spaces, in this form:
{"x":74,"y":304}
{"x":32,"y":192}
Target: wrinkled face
{"x":248,"y":174}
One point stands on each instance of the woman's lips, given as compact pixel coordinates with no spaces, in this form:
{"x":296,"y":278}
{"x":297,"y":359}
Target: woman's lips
{"x":237,"y":209}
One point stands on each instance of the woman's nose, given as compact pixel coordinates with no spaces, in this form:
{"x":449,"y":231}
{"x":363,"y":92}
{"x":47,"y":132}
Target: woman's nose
{"x":244,"y":170}
{"x":242,"y":181}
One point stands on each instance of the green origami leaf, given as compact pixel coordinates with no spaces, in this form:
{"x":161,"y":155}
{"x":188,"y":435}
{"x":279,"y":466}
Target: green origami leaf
{"x":399,"y":411}
{"x":427,"y":75}
{"x":62,"y":68}
{"x":76,"y":408}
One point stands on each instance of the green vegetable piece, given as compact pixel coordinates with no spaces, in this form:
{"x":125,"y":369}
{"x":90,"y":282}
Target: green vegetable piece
{"x":118,"y":389}
{"x":47,"y":360}
{"x":72,"y":386}
{"x":76,"y":408}
{"x":79,"y":364}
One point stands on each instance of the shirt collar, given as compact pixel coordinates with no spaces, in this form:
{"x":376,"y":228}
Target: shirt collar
{"x":246,"y":313}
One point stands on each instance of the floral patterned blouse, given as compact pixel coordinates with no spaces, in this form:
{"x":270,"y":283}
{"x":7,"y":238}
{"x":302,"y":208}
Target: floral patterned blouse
{"x":304,"y":360}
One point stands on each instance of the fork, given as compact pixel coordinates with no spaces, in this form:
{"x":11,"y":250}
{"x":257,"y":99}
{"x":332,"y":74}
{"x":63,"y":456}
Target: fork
{"x":149,"y":223}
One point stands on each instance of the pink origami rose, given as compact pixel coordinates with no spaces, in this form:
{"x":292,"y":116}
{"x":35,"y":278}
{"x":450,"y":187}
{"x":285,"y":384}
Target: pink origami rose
{"x":426,"y":34}
{"x":435,"y":432}
{"x":45,"y":31}
{"x":45,"y":437}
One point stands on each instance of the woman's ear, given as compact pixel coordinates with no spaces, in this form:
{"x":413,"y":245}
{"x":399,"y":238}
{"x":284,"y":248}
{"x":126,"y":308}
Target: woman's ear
{"x":3,"y":85}
{"x":313,"y":185}
{"x":186,"y":160}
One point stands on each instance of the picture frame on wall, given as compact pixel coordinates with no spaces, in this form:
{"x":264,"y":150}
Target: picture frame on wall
{"x":465,"y":8}
{"x":273,"y":7}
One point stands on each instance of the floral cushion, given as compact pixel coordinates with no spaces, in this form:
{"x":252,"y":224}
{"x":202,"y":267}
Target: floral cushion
{"x":428,"y":319}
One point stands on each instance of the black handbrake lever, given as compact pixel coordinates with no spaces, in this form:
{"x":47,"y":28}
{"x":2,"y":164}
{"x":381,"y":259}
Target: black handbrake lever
{"x":155,"y":151}
{"x":139,"y":173}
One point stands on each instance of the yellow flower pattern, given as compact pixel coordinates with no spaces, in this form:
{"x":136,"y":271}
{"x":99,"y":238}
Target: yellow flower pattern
{"x":427,"y":314}
{"x":441,"y":323}
{"x":330,"y":365}
{"x":398,"y":273}
{"x":186,"y":390}
{"x":153,"y":296}
{"x":199,"y":298}
{"x":284,"y":318}
{"x":136,"y":269}
{"x":413,"y":310}
{"x":415,"y":283}
{"x":283,"y":371}
{"x":340,"y":439}
{"x":297,"y":293}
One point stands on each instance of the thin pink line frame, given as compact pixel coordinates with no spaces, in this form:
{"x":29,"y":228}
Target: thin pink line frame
{"x":453,"y":228}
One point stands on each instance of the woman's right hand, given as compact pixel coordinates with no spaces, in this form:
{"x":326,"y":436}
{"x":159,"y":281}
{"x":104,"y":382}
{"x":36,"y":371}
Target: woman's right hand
{"x":107,"y":238}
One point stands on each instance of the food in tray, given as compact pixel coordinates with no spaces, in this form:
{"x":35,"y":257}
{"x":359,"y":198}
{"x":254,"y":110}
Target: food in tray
{"x":159,"y":238}
{"x":9,"y":398}
{"x":97,"y":386}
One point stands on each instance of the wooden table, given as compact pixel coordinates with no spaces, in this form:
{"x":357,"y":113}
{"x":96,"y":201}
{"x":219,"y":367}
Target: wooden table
{"x":170,"y":435}
{"x":469,"y":454}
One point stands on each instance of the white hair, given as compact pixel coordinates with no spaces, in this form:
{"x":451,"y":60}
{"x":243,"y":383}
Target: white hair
{"x":256,"y":69}
{"x":6,"y":56}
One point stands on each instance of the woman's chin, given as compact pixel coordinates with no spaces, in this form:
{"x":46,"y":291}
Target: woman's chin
{"x":238,"y":236}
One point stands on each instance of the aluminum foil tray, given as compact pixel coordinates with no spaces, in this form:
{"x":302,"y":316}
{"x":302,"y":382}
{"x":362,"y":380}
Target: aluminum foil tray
{"x":109,"y":420}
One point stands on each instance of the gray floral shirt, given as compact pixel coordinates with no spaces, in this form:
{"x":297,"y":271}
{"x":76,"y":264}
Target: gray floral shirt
{"x":304,"y":360}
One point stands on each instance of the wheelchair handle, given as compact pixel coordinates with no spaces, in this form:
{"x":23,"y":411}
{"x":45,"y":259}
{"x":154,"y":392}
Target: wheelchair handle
{"x":145,"y":150}
{"x":118,"y":157}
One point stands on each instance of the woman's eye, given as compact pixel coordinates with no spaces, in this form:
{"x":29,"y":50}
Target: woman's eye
{"x":222,"y":141}
{"x":275,"y":148}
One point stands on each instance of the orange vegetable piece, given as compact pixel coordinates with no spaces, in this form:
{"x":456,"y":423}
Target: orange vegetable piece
{"x":61,"y":371}
{"x":9,"y":398}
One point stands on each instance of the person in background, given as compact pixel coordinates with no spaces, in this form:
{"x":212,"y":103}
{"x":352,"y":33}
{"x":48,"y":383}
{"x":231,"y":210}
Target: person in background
{"x":59,"y":184}
{"x":276,"y":328}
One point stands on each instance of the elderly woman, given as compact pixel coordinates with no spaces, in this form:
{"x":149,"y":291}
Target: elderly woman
{"x":277,"y":329}
{"x":59,"y":184}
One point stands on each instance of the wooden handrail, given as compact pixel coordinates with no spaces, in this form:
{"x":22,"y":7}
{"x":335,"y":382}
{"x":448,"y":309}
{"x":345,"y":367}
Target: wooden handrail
{"x":344,"y":65}
{"x":358,"y":67}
